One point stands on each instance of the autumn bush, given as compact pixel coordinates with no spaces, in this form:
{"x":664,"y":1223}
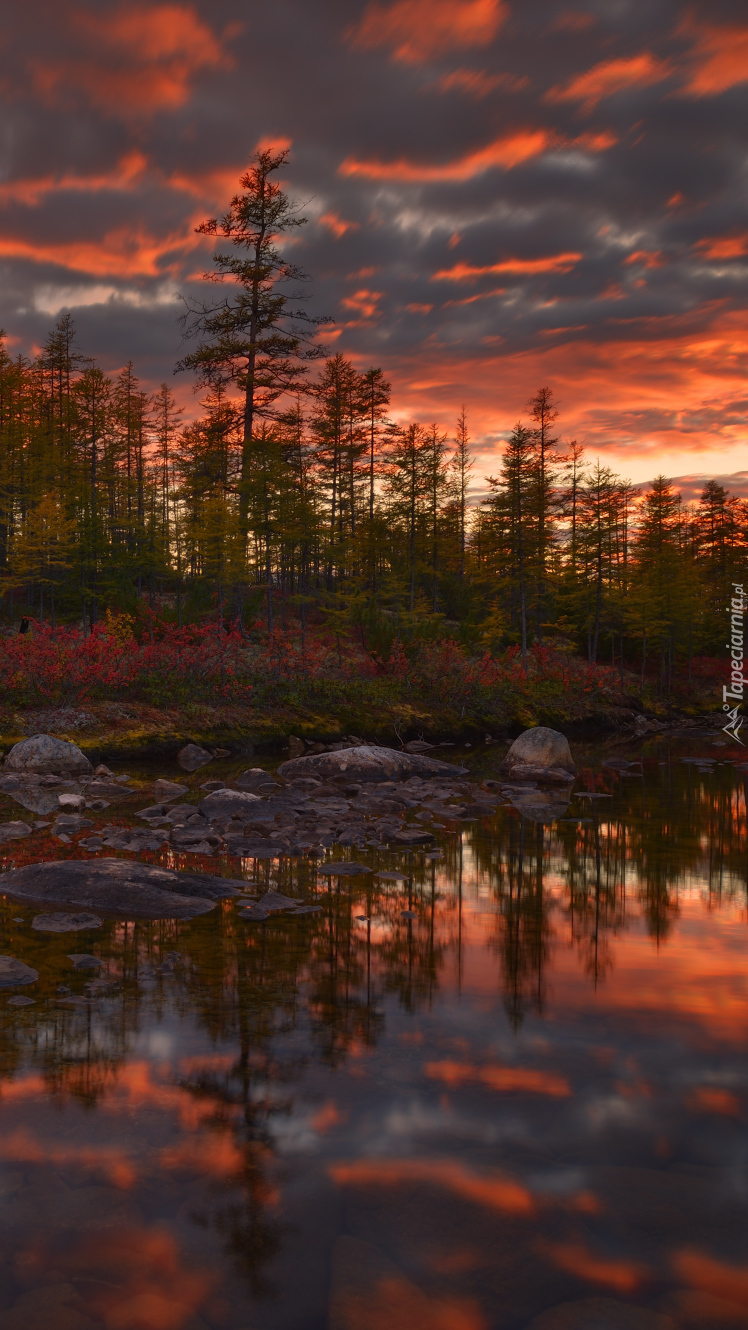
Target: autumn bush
{"x":168,"y":666}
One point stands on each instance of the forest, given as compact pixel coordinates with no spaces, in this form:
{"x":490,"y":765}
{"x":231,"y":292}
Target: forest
{"x":293,"y":505}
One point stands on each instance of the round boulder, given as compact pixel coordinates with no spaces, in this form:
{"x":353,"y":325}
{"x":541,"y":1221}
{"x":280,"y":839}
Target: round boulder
{"x":540,"y":754}
{"x":365,"y":763}
{"x":229,"y":803}
{"x":45,"y":755}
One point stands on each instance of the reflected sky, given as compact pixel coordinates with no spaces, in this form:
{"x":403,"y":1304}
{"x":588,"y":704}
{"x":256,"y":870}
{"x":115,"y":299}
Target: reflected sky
{"x":531,"y":1093}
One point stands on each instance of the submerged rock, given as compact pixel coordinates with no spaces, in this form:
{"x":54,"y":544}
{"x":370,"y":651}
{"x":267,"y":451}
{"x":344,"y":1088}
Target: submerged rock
{"x":82,"y":961}
{"x":118,"y":887}
{"x":44,"y":754}
{"x":64,"y":923}
{"x":540,"y":754}
{"x":36,"y":800}
{"x":192,"y":757}
{"x":365,"y":763}
{"x":13,"y":972}
{"x":540,"y":805}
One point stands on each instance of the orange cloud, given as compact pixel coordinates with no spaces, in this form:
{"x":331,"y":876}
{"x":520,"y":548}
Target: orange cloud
{"x":505,"y":152}
{"x":624,"y":1276}
{"x":364,"y":303}
{"x":126,"y":253}
{"x":127,"y":173}
{"x":468,"y":272}
{"x":144,"y":59}
{"x":337,"y":225}
{"x":274,"y":143}
{"x":417,"y":29}
{"x":720,"y":57}
{"x":646,"y":258}
{"x":505,"y":1079}
{"x":609,"y":77}
{"x":494,"y":1191}
{"x":723,"y":247}
{"x":477,"y":83}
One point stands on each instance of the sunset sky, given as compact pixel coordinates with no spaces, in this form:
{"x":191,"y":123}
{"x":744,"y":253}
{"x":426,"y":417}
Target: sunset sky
{"x":499,"y":195}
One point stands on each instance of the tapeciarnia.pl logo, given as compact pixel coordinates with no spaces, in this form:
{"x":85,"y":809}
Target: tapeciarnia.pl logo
{"x":734,"y":693}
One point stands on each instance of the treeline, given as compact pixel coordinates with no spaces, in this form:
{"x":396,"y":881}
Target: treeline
{"x":295,"y":495}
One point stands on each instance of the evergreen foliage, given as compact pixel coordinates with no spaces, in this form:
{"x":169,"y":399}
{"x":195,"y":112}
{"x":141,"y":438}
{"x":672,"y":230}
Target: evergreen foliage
{"x":293,"y":494}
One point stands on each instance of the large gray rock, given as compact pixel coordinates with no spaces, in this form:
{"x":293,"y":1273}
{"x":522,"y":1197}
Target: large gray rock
{"x":540,"y":754}
{"x":46,"y":755}
{"x":367,"y":764}
{"x":14,"y":830}
{"x":229,"y":803}
{"x":118,"y":887}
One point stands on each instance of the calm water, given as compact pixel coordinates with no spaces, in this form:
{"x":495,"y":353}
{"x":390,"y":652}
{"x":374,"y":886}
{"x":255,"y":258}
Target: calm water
{"x":532,"y":1094}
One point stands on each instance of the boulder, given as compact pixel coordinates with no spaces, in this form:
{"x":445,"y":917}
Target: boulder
{"x":540,"y":754}
{"x":365,"y":763}
{"x":192,"y":757}
{"x":118,"y":887}
{"x":44,"y":754}
{"x":14,"y":972}
{"x":166,"y":790}
{"x":228,"y":803}
{"x":14,"y":830}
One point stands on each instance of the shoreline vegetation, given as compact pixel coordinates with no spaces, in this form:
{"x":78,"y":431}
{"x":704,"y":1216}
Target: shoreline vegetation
{"x":297,"y":561}
{"x":125,"y":688}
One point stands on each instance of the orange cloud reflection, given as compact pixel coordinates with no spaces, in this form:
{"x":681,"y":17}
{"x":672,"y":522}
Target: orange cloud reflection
{"x":494,"y":1191}
{"x":704,"y":1272}
{"x":505,"y":1079}
{"x":624,"y":1276}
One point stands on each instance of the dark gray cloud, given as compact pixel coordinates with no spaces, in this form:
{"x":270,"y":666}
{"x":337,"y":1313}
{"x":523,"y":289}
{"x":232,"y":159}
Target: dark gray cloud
{"x":497,"y":194}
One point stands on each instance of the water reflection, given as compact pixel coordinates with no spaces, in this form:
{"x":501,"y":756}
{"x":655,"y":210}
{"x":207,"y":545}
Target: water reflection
{"x":511,"y":1079}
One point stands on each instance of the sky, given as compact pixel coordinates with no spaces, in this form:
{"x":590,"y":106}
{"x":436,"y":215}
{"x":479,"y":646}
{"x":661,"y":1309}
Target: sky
{"x":500,"y":195}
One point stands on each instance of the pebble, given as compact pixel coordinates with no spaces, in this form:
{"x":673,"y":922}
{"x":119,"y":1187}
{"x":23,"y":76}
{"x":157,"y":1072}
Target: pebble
{"x":20,"y":1002}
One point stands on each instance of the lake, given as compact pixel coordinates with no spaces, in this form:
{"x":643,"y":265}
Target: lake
{"x":506,"y":1089}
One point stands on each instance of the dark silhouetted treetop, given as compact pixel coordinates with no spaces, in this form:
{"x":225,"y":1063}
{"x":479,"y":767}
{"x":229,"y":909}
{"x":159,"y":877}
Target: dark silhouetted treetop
{"x":253,"y":338}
